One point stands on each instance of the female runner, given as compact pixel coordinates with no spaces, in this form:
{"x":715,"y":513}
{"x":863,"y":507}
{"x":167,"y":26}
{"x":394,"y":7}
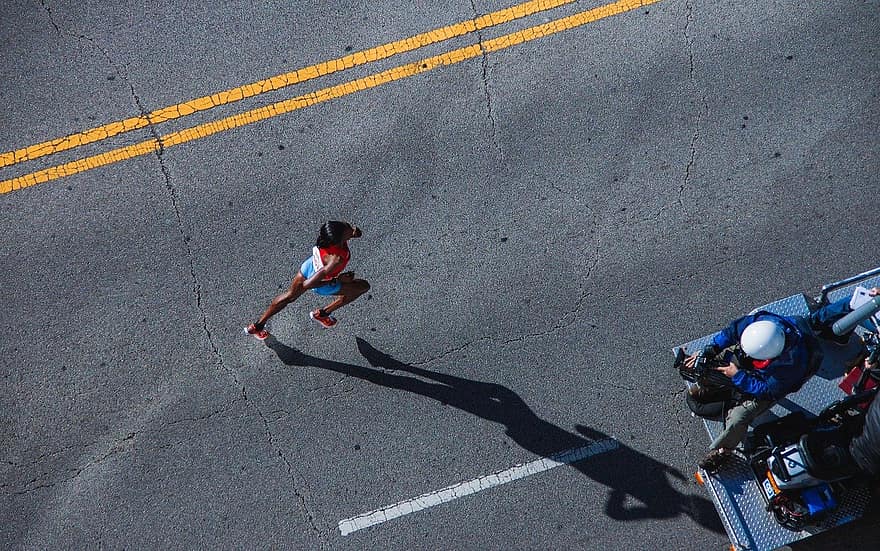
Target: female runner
{"x":322,"y":273}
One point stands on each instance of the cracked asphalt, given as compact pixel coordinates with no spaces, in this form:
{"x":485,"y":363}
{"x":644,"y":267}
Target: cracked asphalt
{"x":541,"y":225}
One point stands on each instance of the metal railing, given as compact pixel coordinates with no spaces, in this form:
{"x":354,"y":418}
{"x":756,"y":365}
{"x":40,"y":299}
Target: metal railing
{"x":822,"y":299}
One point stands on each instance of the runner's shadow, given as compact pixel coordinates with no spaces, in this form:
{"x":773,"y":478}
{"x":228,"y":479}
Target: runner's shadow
{"x":639,"y":485}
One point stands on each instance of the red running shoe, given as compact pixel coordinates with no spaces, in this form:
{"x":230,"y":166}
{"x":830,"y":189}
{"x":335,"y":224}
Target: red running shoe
{"x":261,"y":334}
{"x":327,"y":322}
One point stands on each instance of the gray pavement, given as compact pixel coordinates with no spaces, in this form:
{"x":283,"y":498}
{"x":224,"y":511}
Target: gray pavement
{"x":541,"y":225}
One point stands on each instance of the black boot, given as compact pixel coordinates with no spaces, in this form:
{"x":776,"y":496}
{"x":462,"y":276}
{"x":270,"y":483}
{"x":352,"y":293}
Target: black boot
{"x":715,"y":459}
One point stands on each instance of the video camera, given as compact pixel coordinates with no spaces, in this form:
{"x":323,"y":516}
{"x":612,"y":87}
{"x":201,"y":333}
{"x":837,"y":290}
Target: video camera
{"x":703,"y":370}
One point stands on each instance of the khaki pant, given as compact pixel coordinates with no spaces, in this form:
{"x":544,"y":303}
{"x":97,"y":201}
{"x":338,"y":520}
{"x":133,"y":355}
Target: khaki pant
{"x":737,"y":423}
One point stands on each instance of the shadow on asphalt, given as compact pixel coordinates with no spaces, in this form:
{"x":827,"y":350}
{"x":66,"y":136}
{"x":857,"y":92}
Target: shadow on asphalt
{"x":639,"y":485}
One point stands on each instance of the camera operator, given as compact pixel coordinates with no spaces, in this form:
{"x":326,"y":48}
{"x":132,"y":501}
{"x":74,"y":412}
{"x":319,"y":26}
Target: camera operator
{"x":771,"y":360}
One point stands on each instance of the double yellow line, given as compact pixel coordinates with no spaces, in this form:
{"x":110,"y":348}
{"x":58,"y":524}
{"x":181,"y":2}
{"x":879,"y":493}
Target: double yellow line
{"x":302,"y":75}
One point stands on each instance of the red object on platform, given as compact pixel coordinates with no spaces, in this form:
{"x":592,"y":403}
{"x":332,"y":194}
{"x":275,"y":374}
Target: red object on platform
{"x":852,"y":378}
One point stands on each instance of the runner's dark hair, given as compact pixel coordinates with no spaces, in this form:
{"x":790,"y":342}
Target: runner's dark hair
{"x":331,"y":233}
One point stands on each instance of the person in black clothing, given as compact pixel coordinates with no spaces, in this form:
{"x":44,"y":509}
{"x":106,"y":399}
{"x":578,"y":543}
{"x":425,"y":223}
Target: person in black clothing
{"x":865,"y":448}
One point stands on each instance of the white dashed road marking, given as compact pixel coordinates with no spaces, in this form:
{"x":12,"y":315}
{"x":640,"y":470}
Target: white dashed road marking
{"x":450,"y":493}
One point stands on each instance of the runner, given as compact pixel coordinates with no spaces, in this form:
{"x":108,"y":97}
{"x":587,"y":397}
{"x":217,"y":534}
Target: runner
{"x":322,"y":273}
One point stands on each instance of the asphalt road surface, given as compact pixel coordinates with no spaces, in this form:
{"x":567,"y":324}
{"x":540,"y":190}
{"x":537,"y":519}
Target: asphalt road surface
{"x":544,"y":218}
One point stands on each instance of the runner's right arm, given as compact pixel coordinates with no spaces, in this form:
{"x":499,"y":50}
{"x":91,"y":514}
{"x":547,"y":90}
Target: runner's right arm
{"x":317,"y":278}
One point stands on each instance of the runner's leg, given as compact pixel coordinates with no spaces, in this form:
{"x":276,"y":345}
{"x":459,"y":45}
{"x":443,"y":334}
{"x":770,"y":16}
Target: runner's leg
{"x":348,"y":292}
{"x":278,"y":303}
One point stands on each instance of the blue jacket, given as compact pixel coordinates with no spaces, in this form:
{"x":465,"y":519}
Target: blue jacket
{"x":785,"y":373}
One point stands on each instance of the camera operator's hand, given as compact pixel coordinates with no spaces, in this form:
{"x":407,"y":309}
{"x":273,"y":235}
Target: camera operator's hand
{"x":709,"y":352}
{"x":729,"y":370}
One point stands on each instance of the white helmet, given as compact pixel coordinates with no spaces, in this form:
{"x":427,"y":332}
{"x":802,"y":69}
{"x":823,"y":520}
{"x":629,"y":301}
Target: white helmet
{"x":763,"y":340}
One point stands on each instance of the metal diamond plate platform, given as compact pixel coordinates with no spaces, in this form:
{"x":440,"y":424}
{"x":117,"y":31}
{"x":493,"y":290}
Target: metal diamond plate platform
{"x":734,"y":492}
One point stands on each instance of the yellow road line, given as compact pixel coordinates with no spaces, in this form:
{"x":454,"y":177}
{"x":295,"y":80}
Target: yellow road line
{"x":286,"y":106}
{"x":280,"y":81}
